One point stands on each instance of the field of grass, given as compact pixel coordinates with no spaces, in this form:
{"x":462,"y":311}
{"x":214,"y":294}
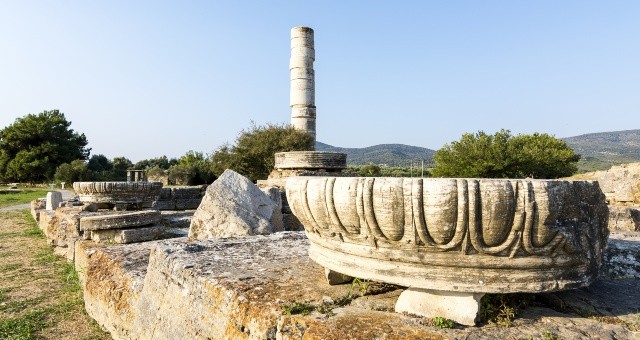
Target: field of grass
{"x":40,"y":294}
{"x":24,"y":196}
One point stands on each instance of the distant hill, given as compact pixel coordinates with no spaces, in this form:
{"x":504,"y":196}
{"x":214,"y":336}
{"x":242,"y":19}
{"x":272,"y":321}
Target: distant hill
{"x":599,"y":151}
{"x":389,"y":154}
{"x":603,"y":149}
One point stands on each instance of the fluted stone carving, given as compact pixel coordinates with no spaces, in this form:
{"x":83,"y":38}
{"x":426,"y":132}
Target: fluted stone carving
{"x":118,"y":192}
{"x":465,"y":235}
{"x":310,"y":160}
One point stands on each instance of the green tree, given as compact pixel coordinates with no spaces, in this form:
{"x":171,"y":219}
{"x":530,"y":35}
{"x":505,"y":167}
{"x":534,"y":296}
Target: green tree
{"x":35,"y":145}
{"x":502,"y":155}
{"x":99,"y":163}
{"x":162,"y":162}
{"x":369,"y":170}
{"x":75,"y":171}
{"x":119,"y":170}
{"x":192,"y":168}
{"x":252,"y":155}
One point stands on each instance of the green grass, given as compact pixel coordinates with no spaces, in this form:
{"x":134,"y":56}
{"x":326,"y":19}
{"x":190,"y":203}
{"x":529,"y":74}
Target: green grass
{"x":25,"y":196}
{"x":9,"y":267}
{"x":442,"y":322}
{"x":25,"y":326}
{"x":293,"y":308}
{"x":39,"y":313}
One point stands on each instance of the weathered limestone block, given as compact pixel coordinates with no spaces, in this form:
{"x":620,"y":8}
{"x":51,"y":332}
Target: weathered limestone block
{"x":239,"y":288}
{"x":188,"y":203}
{"x":180,"y":198}
{"x":113,"y":280}
{"x":127,"y":235}
{"x":620,"y":184}
{"x":54,"y":198}
{"x":310,"y":160}
{"x":459,"y":306}
{"x":118,"y":220}
{"x":275,"y":194}
{"x":38,"y":205}
{"x":456,"y":235}
{"x":118,"y":193}
{"x":624,"y":218}
{"x":44,"y":218}
{"x":622,"y":258}
{"x":232,"y":206}
{"x":63,"y":229}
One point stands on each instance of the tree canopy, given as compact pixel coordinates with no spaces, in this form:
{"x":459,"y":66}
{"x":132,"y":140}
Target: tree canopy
{"x":502,"y":155}
{"x":252,"y":155}
{"x":192,"y":168}
{"x":35,"y":145}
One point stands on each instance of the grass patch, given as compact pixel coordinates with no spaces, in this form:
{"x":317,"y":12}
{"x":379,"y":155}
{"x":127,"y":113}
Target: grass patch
{"x":3,"y":294}
{"x":9,"y":267}
{"x":295,"y":307}
{"x":19,"y":306}
{"x":9,"y":234}
{"x":33,"y":230}
{"x":25,"y":196}
{"x":546,"y":335}
{"x":44,"y":298}
{"x":6,"y":254}
{"x":442,"y":322}
{"x":501,"y":309}
{"x":25,"y":326}
{"x":45,"y":255}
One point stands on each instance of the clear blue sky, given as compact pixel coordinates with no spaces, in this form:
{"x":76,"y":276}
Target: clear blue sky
{"x":148,"y":78}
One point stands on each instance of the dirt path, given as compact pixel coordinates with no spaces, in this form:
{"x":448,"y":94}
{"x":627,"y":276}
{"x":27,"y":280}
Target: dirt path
{"x":40,"y":296}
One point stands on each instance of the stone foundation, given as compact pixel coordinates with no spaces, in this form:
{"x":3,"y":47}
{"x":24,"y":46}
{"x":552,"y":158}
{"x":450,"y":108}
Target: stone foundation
{"x":180,"y":198}
{"x":256,"y":288}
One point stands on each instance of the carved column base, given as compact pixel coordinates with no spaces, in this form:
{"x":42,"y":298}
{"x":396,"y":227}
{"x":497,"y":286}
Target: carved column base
{"x":460,"y":307}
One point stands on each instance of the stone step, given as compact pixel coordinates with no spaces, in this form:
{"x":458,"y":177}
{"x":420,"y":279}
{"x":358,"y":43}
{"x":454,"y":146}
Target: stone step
{"x":119,"y":220}
{"x":123,"y":236}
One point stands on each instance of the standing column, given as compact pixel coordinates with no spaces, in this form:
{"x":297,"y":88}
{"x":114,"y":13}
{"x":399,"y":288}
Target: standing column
{"x":302,"y":95}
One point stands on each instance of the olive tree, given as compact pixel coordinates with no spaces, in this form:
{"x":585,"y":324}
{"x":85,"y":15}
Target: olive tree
{"x":502,"y":155}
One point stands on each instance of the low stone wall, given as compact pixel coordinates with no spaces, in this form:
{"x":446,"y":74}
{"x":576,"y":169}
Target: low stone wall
{"x":620,"y":184}
{"x":257,"y":288}
{"x":180,"y":198}
{"x":621,"y":187}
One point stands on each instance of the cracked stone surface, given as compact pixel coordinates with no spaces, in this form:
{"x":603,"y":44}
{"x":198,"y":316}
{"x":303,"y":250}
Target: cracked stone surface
{"x":241,"y":288}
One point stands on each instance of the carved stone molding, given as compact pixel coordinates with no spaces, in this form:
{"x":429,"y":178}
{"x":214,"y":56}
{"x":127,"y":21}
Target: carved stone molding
{"x":118,"y":192}
{"x":467,"y":235}
{"x":309,"y":160}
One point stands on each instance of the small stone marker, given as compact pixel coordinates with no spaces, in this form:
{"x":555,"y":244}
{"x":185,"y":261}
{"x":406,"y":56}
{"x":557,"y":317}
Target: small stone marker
{"x":54,"y":198}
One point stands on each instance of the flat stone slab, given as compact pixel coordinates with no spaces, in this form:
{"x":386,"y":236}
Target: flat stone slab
{"x":622,"y":258}
{"x":123,"y":236}
{"x":118,"y":220}
{"x":260,"y":286}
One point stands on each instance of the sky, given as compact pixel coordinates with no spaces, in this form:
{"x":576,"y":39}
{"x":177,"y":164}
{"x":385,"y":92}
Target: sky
{"x":142,"y":79}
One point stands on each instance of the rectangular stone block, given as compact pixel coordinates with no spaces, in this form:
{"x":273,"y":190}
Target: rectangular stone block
{"x":120,"y":220}
{"x":122,"y":236}
{"x":54,"y":198}
{"x":164,"y":205}
{"x":187,"y":192}
{"x":188,"y":204}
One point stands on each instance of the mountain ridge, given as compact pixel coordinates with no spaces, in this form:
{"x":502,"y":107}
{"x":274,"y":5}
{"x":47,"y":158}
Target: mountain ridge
{"x":599,"y":150}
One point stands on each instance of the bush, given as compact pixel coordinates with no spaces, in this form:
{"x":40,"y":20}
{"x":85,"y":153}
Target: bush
{"x":504,"y":156}
{"x":253,"y":153}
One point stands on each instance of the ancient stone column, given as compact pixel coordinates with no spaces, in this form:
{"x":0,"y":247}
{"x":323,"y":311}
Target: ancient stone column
{"x":302,"y":95}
